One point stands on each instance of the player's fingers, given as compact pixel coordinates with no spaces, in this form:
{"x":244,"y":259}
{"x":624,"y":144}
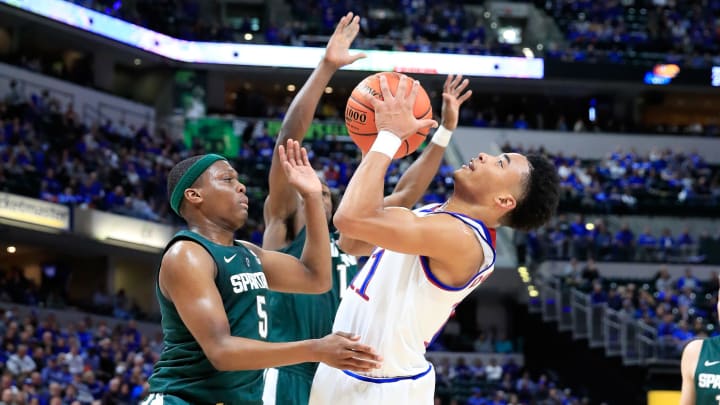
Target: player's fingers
{"x":291,"y":152}
{"x":305,"y":159}
{"x":344,"y":21}
{"x":362,"y":364}
{"x":403,"y":87}
{"x":448,"y":80}
{"x":427,"y":123}
{"x":287,"y":167}
{"x":385,"y":89}
{"x":357,"y":56}
{"x":458,"y":79}
{"x":461,"y":86}
{"x":414,"y":89}
{"x":281,"y":153}
{"x":348,"y":335}
{"x":362,"y":349}
{"x":465,"y":96}
{"x":366,"y":356}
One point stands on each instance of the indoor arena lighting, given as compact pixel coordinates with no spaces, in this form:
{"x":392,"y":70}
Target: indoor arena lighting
{"x":276,"y":56}
{"x":11,"y":249}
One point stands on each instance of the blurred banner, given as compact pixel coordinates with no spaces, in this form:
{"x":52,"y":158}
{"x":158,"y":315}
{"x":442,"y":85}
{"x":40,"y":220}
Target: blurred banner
{"x":216,"y":135}
{"x":113,"y":228}
{"x":274,"y":55}
{"x":33,"y":211}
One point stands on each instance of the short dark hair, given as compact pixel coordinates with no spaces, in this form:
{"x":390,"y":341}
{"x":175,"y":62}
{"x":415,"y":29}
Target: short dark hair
{"x":178,"y":171}
{"x":541,"y":194}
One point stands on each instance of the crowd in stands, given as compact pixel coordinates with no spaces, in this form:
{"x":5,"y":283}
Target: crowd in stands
{"x":681,"y":32}
{"x":566,"y":238}
{"x":678,"y":308}
{"x":86,"y":362}
{"x":495,"y":383}
{"x":629,"y":182}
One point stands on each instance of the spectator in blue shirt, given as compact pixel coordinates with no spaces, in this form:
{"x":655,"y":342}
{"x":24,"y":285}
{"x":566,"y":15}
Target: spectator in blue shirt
{"x":646,"y":245}
{"x":624,"y":242}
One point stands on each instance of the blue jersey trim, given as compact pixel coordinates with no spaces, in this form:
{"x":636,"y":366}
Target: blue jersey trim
{"x":385,"y":380}
{"x":425,"y":262}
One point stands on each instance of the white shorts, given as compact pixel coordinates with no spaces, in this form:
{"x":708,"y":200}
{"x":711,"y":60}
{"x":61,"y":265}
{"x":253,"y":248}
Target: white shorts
{"x":332,"y":386}
{"x":270,"y":389}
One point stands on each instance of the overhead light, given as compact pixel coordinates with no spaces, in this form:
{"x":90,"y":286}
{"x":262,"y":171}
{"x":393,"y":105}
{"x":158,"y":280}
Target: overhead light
{"x":11,"y":249}
{"x":137,"y":61}
{"x":248,"y":36}
{"x":528,"y":53}
{"x":328,"y":90}
{"x":290,"y":87}
{"x":589,"y":226}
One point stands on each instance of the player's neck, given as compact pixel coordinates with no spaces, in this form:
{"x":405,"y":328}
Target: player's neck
{"x":473,"y":210}
{"x":213,"y":232}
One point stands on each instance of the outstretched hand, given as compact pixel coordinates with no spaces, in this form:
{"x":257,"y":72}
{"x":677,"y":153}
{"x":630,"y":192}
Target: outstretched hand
{"x":453,"y":99}
{"x":343,"y":351}
{"x":298,"y":170}
{"x":394,"y":113}
{"x":337,"y":52}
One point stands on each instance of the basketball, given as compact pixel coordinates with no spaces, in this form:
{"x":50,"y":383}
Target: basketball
{"x":360,"y":115}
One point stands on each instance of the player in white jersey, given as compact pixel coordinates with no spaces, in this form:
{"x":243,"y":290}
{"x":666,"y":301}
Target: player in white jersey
{"x":423,"y":262}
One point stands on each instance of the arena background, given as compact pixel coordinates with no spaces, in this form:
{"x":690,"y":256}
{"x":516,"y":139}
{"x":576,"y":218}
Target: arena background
{"x":100,"y":98}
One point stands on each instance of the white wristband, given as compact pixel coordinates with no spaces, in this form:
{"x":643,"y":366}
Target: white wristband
{"x":442,"y":137}
{"x":386,"y":143}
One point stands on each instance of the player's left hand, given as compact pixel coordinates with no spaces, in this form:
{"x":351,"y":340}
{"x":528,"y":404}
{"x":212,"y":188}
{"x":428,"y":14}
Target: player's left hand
{"x":394,"y":112}
{"x":453,"y":97}
{"x":297,"y":167}
{"x":337,"y":52}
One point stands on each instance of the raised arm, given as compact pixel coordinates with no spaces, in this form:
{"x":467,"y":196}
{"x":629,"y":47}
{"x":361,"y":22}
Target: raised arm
{"x":311,"y":274}
{"x":416,"y":179}
{"x":281,"y":204}
{"x":363,"y":216}
{"x":688,"y":364}
{"x":187,"y":279}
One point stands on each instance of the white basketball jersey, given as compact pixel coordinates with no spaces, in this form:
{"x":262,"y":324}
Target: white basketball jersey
{"x":397,"y":306}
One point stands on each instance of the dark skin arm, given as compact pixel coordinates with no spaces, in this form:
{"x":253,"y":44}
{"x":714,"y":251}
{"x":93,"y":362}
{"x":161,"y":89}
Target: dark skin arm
{"x":187,"y":279}
{"x":282,"y":202}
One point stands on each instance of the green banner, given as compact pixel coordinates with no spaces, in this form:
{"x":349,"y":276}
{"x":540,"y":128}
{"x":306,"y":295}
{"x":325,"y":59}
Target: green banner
{"x":216,"y":134}
{"x":316,"y":130}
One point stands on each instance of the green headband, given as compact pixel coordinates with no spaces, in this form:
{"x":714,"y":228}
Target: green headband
{"x":187,"y":179}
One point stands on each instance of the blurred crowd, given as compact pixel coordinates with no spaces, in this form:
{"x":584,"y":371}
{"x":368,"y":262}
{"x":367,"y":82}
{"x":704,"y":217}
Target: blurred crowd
{"x":679,"y":308}
{"x":671,"y":31}
{"x":45,"y":363}
{"x":681,"y":32}
{"x":464,"y":382}
{"x":628,"y":182}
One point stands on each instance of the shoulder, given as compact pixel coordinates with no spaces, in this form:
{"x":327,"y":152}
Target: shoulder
{"x":690,"y":356}
{"x":186,"y":254}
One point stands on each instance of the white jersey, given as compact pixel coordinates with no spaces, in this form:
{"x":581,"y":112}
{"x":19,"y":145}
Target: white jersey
{"x":397,"y":305}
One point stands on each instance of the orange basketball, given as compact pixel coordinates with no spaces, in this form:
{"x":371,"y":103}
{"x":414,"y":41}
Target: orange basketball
{"x":360,"y":115}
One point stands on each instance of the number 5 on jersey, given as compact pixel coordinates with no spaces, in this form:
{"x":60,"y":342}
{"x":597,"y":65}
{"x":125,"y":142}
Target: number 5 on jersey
{"x":368,"y":277}
{"x":262,"y":317}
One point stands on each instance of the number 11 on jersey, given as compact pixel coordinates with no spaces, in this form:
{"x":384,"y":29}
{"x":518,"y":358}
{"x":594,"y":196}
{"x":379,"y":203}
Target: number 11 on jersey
{"x":371,"y":272}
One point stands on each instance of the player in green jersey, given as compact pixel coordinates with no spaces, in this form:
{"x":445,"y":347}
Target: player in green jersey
{"x":301,"y":316}
{"x":211,"y":289}
{"x":700,"y":368}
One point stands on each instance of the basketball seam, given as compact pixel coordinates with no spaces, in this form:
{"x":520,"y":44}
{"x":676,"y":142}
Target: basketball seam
{"x":361,"y":103}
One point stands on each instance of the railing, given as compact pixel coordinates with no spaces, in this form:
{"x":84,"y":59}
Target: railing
{"x":618,"y":333}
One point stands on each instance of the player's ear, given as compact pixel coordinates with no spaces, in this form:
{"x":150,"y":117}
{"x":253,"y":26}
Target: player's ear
{"x":193,"y":195}
{"x":506,"y":201}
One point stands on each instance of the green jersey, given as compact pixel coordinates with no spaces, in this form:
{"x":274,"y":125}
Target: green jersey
{"x":309,"y":316}
{"x":707,"y":373}
{"x":183,"y":369}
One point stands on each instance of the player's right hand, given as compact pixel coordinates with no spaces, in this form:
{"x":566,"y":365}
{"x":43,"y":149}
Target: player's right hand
{"x":394,"y":112}
{"x":343,"y":351}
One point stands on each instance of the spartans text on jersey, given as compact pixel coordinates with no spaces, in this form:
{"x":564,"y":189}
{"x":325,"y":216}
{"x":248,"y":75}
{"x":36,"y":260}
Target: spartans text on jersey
{"x":248,"y":281}
{"x":709,"y":381}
